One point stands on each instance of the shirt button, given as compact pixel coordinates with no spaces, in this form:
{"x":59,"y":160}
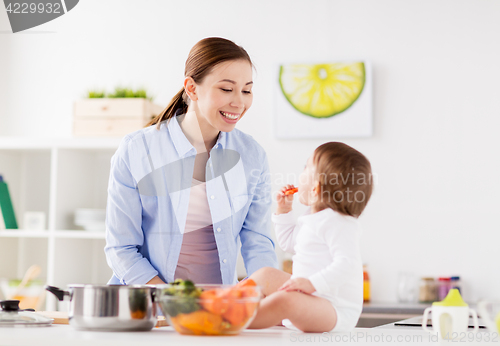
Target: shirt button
{"x":212,"y":197}
{"x":224,"y":260}
{"x":218,"y":229}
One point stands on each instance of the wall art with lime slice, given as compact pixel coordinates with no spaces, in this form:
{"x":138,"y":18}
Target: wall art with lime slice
{"x":322,"y":90}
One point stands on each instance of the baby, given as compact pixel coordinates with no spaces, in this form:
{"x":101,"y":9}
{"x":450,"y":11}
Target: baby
{"x":325,"y":291}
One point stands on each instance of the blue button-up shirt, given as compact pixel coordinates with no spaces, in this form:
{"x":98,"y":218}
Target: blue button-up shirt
{"x":148,"y":197}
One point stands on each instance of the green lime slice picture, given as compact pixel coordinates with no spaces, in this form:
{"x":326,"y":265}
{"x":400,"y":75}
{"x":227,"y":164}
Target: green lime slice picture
{"x":322,"y":90}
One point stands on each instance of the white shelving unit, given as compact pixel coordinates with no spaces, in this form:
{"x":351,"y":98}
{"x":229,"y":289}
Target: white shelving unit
{"x":56,"y":176}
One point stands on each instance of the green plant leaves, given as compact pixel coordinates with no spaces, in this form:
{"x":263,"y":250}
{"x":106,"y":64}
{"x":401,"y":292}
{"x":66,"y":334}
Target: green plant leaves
{"x":119,"y":93}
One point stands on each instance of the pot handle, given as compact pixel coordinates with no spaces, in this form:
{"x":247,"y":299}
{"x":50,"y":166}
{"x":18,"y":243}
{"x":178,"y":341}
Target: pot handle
{"x":59,"y":293}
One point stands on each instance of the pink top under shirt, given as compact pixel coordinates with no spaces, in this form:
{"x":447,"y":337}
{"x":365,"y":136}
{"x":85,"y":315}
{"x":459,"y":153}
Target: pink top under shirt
{"x":199,"y":257}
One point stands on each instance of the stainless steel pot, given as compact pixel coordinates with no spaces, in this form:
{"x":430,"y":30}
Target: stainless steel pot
{"x":110,"y":307}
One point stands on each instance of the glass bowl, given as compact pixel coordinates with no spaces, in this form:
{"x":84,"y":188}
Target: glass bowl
{"x":209,"y":309}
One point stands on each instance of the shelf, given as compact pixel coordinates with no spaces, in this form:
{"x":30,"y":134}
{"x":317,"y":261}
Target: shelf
{"x":79,"y":234}
{"x":29,"y":143}
{"x":63,"y":234}
{"x":19,"y":233}
{"x":56,"y":176}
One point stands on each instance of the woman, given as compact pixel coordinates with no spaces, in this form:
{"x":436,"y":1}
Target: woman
{"x":187,"y":191}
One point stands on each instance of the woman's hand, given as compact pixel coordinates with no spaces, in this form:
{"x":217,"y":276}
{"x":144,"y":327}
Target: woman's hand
{"x":299,"y":284}
{"x":284,"y":202}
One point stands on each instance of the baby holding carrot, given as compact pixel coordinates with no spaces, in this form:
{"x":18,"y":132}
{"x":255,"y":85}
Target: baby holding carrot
{"x":325,"y":291}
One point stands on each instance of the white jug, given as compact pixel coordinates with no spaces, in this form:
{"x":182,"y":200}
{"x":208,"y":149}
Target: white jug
{"x":490,"y":313}
{"x":450,"y":317}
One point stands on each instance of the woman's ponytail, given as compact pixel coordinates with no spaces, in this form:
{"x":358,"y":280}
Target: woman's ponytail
{"x":177,"y":102}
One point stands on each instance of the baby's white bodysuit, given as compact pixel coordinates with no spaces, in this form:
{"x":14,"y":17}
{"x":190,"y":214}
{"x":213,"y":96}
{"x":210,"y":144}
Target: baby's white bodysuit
{"x":326,"y":251}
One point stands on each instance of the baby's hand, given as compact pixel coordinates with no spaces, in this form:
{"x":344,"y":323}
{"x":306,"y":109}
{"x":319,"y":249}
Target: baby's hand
{"x":299,"y":284}
{"x":284,"y":201}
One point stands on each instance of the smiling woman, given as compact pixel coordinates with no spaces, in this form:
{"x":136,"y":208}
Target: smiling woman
{"x":223,"y":101}
{"x":186,"y":191}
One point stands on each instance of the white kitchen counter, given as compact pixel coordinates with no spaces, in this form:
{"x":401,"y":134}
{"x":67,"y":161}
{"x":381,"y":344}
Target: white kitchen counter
{"x":67,"y":335}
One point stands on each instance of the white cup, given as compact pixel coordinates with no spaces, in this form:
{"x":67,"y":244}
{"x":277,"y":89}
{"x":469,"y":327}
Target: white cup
{"x":449,"y":321}
{"x":490,"y":313}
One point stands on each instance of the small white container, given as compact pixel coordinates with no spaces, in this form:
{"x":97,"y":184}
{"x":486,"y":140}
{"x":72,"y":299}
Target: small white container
{"x":34,"y":220}
{"x":92,"y":220}
{"x":490,"y":313}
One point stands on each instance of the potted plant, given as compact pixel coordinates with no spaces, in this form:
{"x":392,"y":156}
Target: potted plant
{"x":113,"y":114}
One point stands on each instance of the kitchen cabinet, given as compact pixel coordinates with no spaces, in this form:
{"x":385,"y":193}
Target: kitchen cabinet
{"x":56,"y":176}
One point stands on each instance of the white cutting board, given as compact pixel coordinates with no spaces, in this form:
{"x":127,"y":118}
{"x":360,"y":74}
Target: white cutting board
{"x":61,"y":317}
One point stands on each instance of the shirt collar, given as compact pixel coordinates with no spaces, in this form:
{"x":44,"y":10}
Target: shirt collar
{"x":221,"y":140}
{"x":182,"y":144}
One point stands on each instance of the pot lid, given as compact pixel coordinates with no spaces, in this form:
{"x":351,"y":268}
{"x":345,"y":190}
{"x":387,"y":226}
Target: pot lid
{"x":12,"y":316}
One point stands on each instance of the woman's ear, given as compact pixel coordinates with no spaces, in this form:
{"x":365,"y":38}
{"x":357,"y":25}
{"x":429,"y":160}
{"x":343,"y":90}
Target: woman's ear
{"x":190,"y":88}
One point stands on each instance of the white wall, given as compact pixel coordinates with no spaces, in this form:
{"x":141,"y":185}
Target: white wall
{"x":436,"y":104}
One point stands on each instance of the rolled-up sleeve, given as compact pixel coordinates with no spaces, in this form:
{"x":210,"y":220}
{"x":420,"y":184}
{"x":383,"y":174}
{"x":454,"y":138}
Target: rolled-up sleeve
{"x":257,"y":247}
{"x":124,"y":235}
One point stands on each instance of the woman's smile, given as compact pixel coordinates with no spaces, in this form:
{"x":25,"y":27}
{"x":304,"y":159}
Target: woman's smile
{"x":231,"y":118}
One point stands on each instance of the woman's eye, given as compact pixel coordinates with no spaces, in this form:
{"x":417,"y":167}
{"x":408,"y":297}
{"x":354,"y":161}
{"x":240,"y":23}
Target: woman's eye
{"x":229,"y":90}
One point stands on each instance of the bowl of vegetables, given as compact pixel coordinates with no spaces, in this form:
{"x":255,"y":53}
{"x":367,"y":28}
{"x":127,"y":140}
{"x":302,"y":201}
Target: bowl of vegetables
{"x":209,"y":309}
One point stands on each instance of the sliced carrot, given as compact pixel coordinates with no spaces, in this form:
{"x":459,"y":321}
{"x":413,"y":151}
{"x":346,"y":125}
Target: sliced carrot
{"x":201,"y":322}
{"x":250,"y":306}
{"x":177,"y":326}
{"x":245,"y":283}
{"x":214,"y":301}
{"x":248,"y":291}
{"x":228,"y":302}
{"x":291,"y":191}
{"x":236,"y":314}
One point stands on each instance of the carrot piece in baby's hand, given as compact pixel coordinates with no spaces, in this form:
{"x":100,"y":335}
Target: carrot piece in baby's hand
{"x":291,"y":191}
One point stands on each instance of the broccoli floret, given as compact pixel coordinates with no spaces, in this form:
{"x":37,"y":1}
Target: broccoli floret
{"x":186,"y":292}
{"x":183,"y":288}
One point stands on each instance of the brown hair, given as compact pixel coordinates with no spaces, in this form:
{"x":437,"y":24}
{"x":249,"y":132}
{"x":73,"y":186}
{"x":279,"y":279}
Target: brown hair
{"x":345,"y":178}
{"x":203,"y":57}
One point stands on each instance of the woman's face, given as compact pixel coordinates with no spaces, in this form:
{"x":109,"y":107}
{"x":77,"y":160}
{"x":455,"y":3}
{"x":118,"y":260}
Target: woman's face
{"x":225,"y":94}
